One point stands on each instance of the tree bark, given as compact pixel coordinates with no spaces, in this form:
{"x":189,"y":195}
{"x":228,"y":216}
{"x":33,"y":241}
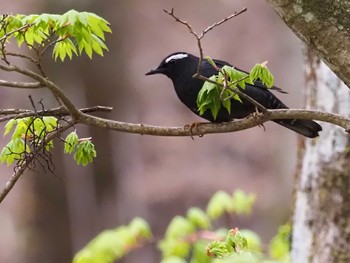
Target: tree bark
{"x":322,"y":25}
{"x":321,"y":231}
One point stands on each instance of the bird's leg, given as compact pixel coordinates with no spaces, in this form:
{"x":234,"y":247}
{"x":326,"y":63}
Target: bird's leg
{"x":192,"y":126}
{"x":255,"y":115}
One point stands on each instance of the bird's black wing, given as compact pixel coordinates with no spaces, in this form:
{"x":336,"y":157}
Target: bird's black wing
{"x":257,"y":83}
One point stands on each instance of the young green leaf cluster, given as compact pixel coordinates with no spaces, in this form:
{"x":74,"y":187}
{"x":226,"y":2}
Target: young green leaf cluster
{"x":219,"y":90}
{"x":191,"y":238}
{"x":183,"y":233}
{"x":70,"y":33}
{"x":28,"y":134}
{"x":222,"y":202}
{"x":111,"y":245}
{"x":83,"y":149}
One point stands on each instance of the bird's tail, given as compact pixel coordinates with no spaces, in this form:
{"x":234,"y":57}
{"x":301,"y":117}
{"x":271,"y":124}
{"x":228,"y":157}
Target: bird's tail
{"x":307,"y":128}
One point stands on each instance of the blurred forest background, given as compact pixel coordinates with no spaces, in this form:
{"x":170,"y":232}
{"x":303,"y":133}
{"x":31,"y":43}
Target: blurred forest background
{"x":48,"y":218}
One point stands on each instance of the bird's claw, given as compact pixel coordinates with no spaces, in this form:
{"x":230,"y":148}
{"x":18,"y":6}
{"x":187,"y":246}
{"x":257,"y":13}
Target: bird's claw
{"x":255,"y":116}
{"x":192,"y":126}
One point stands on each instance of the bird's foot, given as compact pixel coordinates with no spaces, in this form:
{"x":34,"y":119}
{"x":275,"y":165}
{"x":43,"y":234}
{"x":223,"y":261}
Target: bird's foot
{"x":255,"y":116}
{"x":193,"y":126}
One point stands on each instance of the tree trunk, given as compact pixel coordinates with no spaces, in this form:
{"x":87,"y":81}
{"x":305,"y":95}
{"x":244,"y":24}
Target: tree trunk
{"x":322,"y":25}
{"x":321,"y":228}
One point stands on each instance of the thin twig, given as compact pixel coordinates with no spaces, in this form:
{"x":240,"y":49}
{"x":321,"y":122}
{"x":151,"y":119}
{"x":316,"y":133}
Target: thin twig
{"x":18,"y":173}
{"x":55,"y":89}
{"x":20,"y":85}
{"x":205,"y":31}
{"x":21,"y":56}
{"x":8,"y":34}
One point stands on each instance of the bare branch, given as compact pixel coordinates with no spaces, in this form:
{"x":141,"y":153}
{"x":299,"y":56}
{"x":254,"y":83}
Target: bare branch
{"x":205,"y":31}
{"x":55,"y":89}
{"x":222,"y":21}
{"x":13,"y":111}
{"x":57,"y":112}
{"x":20,"y":85}
{"x":210,"y":128}
{"x":21,"y":56}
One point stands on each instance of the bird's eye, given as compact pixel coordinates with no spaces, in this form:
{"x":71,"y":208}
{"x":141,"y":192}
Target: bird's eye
{"x":172,"y":62}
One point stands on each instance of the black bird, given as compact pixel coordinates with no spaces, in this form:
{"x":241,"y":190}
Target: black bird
{"x":180,"y":68}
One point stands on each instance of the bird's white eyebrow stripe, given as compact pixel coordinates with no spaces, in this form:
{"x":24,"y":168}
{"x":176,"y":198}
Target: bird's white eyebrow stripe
{"x":176,"y":56}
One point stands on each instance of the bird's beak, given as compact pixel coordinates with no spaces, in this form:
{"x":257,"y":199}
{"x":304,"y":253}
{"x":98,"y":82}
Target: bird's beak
{"x":154,"y":71}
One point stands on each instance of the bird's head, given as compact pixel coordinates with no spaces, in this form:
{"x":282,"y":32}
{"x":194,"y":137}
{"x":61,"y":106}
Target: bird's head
{"x":175,"y":65}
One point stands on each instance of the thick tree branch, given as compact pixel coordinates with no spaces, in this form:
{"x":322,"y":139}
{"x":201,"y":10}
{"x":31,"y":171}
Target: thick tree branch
{"x":324,"y":26}
{"x":210,"y":128}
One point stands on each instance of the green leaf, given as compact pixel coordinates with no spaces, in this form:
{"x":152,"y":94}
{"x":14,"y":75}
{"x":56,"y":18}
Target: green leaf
{"x":49,"y":145}
{"x":227,"y":102}
{"x":39,"y":127}
{"x":71,"y":142}
{"x":280,"y":244}
{"x":50,"y":122}
{"x":242,"y":203}
{"x":262,"y":73}
{"x":138,"y":227}
{"x":235,"y":240}
{"x":84,"y":153}
{"x":211,"y":62}
{"x":174,"y":247}
{"x":253,"y":240}
{"x":199,"y":252}
{"x":9,"y":126}
{"x":198,"y":218}
{"x":20,"y":130}
{"x":209,"y":98}
{"x":220,"y":203}
{"x":207,"y":87}
{"x":111,"y":245}
{"x":179,"y":227}
{"x":13,"y":151}
{"x":217,"y":249}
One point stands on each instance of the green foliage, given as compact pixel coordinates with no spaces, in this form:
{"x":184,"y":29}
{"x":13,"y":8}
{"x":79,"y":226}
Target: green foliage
{"x":242,"y":203}
{"x":27,"y":132}
{"x":71,"y":33}
{"x":84,"y":152}
{"x":198,"y":218}
{"x":222,"y":202}
{"x":114,"y":244}
{"x":262,"y":73}
{"x":83,"y":149}
{"x":219,"y":90}
{"x":191,"y":239}
{"x":71,"y":142}
{"x":209,"y":97}
{"x":13,"y":151}
{"x":280,"y":244}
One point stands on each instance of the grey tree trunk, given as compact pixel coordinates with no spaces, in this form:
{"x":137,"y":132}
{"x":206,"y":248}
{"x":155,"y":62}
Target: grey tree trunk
{"x":321,"y":227}
{"x":324,"y":26}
